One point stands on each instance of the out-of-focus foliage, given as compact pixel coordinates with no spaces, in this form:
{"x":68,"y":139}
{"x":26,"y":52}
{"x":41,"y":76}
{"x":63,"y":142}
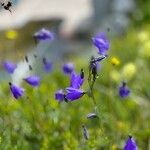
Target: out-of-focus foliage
{"x":38,"y":121}
{"x":142,"y":13}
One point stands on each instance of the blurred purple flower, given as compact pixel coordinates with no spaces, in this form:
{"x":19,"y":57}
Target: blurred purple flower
{"x":68,"y":68}
{"x":33,"y":80}
{"x":9,"y":66}
{"x":16,"y":91}
{"x":43,"y":35}
{"x":130,"y":144}
{"x":101,"y":42}
{"x":73,"y":94}
{"x":76,"y":80}
{"x":59,"y":95}
{"x":123,"y":90}
{"x":47,"y":65}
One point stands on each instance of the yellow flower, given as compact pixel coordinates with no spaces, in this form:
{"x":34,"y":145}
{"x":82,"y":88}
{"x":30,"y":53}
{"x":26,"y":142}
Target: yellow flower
{"x":143,"y":36}
{"x":114,"y":147}
{"x":115,"y":76}
{"x":115,"y":61}
{"x":11,"y":34}
{"x":145,"y":50}
{"x":120,"y":125}
{"x":129,"y":70}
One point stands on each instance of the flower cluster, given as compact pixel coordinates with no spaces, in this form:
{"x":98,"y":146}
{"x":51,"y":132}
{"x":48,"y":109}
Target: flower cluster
{"x":73,"y":92}
{"x":32,"y":80}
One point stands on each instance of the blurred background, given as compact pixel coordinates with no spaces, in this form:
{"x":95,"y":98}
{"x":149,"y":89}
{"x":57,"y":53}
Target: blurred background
{"x":74,"y":22}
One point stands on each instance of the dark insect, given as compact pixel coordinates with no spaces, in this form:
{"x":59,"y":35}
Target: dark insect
{"x":7,"y":6}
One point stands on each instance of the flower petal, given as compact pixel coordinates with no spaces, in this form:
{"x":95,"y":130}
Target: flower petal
{"x":9,"y":66}
{"x":47,"y":65}
{"x":68,"y":68}
{"x":33,"y":80}
{"x":73,"y":94}
{"x":59,"y":95}
{"x":130,"y":144}
{"x":76,"y":80}
{"x":16,"y":91}
{"x":101,"y":42}
{"x":44,"y":34}
{"x":123,"y":90}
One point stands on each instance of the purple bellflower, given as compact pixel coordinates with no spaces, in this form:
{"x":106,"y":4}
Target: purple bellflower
{"x":123,"y":90}
{"x":43,"y":35}
{"x":73,"y":94}
{"x":33,"y":80}
{"x":77,"y":80}
{"x":68,"y":68}
{"x":59,"y":95}
{"x":130,"y":144}
{"x":16,"y":91}
{"x":101,"y":43}
{"x":9,"y":66}
{"x":47,"y":65}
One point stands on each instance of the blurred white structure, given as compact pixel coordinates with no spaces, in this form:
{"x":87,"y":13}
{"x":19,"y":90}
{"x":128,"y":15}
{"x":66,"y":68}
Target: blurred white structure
{"x":71,"y":11}
{"x":76,"y":14}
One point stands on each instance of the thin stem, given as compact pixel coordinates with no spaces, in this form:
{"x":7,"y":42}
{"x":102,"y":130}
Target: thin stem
{"x":91,"y":85}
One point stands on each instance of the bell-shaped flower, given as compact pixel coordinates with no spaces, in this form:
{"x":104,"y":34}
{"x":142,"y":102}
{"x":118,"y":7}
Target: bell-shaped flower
{"x":101,"y":43}
{"x":33,"y":80}
{"x":9,"y":66}
{"x":76,"y":80}
{"x":130,"y":144}
{"x":43,"y":35}
{"x":124,"y":90}
{"x":68,"y":68}
{"x":59,"y":95}
{"x":16,"y":91}
{"x":47,"y":65}
{"x":73,"y":94}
